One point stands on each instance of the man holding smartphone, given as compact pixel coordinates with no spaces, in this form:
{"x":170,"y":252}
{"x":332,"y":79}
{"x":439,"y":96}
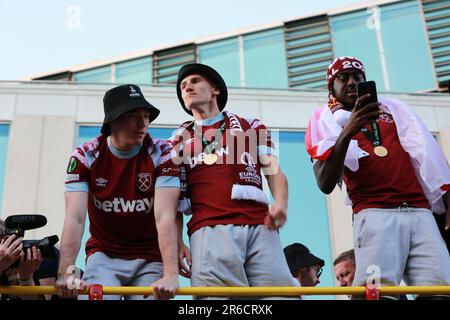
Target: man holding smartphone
{"x":394,"y":172}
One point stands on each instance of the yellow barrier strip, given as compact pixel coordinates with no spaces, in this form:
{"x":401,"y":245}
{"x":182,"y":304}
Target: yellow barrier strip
{"x":239,"y":291}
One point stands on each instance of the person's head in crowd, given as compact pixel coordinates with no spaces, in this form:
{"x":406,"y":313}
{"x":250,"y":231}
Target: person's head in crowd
{"x":343,"y":74}
{"x":47,"y":273}
{"x":201,"y":90}
{"x":344,"y":268}
{"x":127,"y":116}
{"x":304,"y":266}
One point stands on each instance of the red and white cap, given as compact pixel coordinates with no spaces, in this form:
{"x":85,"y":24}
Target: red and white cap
{"x":341,"y":64}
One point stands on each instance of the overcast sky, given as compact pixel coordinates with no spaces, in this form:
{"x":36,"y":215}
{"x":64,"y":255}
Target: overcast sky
{"x":47,"y":35}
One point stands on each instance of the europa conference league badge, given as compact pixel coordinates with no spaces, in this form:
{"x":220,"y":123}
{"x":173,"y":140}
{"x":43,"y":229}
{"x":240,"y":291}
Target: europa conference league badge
{"x":72,"y":165}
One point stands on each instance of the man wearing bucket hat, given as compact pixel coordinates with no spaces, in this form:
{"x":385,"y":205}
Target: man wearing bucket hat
{"x":233,"y":232}
{"x":304,"y":266}
{"x":394,"y":172}
{"x":127,"y":183}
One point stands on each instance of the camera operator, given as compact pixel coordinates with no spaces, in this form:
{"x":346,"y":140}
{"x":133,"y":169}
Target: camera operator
{"x":11,"y":250}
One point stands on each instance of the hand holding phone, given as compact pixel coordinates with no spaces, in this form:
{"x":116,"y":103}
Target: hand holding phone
{"x":366,"y":108}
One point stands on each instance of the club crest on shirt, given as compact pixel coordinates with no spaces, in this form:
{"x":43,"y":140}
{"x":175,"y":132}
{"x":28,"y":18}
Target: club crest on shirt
{"x":144,"y":181}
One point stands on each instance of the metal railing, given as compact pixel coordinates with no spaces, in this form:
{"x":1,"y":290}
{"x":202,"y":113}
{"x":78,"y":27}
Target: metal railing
{"x":95,"y":292}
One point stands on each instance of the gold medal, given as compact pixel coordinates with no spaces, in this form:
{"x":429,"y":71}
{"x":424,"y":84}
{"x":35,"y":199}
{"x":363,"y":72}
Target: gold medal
{"x":210,"y":159}
{"x":380,"y":151}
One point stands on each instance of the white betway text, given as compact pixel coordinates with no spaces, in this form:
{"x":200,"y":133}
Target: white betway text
{"x":120,"y":205}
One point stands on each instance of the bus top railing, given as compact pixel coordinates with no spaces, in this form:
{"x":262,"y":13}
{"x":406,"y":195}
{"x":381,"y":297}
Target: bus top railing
{"x":370,"y":292}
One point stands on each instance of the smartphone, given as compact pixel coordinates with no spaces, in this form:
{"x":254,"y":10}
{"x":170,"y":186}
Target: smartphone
{"x":367,"y":87}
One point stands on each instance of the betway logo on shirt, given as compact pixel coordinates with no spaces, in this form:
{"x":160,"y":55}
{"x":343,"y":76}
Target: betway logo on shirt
{"x":119,"y":205}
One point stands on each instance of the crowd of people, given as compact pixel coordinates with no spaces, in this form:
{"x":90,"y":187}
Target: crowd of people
{"x":136,"y":190}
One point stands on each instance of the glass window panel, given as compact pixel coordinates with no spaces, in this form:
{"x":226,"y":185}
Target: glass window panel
{"x":99,"y":75}
{"x":138,"y":71}
{"x":265,"y":60}
{"x":407,"y":54}
{"x":223,"y":56}
{"x":352,"y":37}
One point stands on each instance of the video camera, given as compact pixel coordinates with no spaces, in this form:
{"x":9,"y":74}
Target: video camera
{"x":17,"y":225}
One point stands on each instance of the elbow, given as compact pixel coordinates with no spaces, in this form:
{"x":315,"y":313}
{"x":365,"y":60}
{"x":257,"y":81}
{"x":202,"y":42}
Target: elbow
{"x":325,"y":182}
{"x":324,"y":187}
{"x":327,"y":191}
{"x":165,"y":217}
{"x":282,"y":177}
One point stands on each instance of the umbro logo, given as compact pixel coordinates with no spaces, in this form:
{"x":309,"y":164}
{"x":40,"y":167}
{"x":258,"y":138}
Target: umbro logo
{"x":101,"y":182}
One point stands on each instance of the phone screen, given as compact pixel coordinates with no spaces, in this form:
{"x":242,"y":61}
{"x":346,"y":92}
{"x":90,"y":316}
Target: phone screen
{"x":368,"y":87}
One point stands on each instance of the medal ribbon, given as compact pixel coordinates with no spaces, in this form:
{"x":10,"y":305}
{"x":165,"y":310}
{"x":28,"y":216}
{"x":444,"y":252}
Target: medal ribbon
{"x":375,"y":137}
{"x":213,"y":144}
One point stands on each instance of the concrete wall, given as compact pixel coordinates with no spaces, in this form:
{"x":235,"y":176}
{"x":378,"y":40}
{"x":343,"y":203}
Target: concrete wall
{"x":35,"y":170}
